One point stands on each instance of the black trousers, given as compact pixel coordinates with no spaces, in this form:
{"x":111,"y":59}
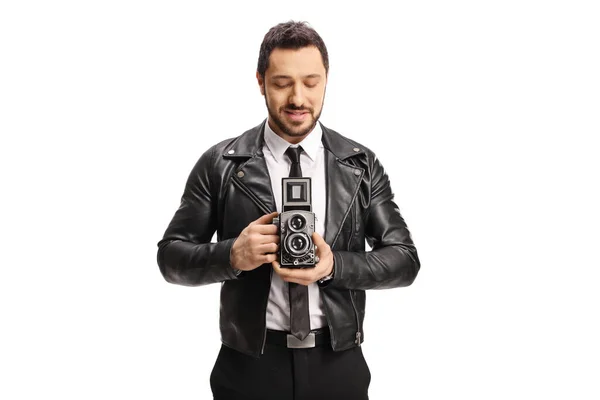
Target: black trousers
{"x":291,"y":374}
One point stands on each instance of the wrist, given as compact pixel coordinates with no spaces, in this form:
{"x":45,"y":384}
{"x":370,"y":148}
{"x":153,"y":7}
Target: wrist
{"x":328,"y":277}
{"x":232,"y":260}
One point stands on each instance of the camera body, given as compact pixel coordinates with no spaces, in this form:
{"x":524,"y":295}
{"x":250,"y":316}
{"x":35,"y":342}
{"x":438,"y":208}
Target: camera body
{"x":296,"y":225}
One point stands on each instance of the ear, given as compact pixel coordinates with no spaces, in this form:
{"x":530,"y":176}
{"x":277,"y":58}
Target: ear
{"x":261,"y":83}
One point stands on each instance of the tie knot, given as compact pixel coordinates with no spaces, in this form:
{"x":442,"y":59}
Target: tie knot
{"x":294,"y":154}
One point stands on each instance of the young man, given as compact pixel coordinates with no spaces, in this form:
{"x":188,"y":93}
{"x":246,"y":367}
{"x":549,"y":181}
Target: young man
{"x":289,"y":333}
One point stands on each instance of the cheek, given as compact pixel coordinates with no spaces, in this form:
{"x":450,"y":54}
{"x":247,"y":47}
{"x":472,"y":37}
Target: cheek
{"x":317,"y":97}
{"x":274,"y":99}
{"x":317,"y":101}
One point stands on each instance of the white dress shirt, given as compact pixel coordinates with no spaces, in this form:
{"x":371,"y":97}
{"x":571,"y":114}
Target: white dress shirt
{"x":313,"y":166}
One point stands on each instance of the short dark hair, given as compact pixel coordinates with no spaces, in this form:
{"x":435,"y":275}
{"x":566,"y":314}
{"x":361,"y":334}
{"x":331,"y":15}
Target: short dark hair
{"x":290,"y":35}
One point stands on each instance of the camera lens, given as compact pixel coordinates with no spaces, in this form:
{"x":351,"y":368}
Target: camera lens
{"x":297,"y":222}
{"x":297,"y":244}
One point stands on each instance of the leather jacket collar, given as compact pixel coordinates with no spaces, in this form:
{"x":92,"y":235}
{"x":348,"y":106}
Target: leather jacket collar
{"x":250,"y":144}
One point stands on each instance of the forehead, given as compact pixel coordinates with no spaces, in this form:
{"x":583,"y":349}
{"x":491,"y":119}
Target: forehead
{"x":296,"y":62}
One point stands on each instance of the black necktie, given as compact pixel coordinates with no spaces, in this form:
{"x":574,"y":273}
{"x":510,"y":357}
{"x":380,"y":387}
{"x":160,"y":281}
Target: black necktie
{"x":294,"y":156}
{"x":299,"y":315}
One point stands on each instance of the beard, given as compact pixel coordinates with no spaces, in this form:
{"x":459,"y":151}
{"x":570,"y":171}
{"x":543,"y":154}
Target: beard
{"x":293,"y":129}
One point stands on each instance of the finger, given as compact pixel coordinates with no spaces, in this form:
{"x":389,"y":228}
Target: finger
{"x":272,"y":239}
{"x":267,"y":258}
{"x":296,"y":275}
{"x":299,"y":281}
{"x":321,"y":247}
{"x":318,"y":240}
{"x":287,"y":274}
{"x":267,"y":248}
{"x":267,"y":239}
{"x":269,"y":229}
{"x":265,"y":219}
{"x":278,"y":270}
{"x":257,"y":239}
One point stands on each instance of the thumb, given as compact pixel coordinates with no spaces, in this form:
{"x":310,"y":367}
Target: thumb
{"x":266,"y":219}
{"x":318,"y":240}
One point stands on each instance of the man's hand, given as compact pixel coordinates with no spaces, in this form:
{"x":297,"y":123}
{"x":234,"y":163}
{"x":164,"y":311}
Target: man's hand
{"x":306,"y":276}
{"x":256,"y":245}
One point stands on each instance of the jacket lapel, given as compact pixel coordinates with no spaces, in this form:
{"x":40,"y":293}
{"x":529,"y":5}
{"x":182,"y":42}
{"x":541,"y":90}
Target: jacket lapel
{"x":252,"y":175}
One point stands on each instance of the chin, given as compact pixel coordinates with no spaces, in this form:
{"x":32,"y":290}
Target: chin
{"x":301,"y":130}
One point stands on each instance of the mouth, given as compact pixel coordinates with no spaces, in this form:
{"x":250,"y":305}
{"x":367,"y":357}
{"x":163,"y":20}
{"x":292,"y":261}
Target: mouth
{"x":297,"y":115}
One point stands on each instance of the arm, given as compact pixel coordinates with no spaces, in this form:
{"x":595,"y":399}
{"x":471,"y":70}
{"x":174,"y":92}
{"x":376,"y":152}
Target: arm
{"x":393,"y":260}
{"x":185,"y":254}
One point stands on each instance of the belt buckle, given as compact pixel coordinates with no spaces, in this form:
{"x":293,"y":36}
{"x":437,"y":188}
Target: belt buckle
{"x":294,"y":343}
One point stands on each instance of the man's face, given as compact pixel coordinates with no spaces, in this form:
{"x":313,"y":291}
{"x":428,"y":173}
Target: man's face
{"x":294,"y":90}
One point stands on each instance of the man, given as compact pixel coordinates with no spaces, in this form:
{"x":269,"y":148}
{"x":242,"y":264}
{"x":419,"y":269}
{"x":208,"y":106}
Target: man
{"x":235,"y":190}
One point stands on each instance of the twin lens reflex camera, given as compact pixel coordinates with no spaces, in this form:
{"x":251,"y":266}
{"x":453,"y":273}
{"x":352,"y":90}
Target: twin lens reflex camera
{"x":296,"y":225}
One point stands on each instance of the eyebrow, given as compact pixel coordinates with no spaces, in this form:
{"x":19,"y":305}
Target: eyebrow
{"x":289,"y":77}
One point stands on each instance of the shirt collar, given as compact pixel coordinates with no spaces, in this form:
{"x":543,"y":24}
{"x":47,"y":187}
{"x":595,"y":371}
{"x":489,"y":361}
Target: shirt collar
{"x":277,"y":145}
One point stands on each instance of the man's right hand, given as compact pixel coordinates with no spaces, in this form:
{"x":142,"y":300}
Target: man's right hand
{"x":257,"y":244}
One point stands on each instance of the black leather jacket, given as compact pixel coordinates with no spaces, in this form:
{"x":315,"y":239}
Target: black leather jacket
{"x":229,"y":187}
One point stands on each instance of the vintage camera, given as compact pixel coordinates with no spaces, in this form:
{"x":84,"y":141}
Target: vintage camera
{"x":296,"y":225}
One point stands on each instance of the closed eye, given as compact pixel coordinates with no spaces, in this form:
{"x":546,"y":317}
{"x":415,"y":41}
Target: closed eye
{"x":312,"y":82}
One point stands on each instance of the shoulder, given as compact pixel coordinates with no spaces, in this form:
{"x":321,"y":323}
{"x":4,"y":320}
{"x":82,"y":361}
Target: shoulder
{"x":214,"y":163}
{"x":243,"y":145}
{"x":343,"y":146}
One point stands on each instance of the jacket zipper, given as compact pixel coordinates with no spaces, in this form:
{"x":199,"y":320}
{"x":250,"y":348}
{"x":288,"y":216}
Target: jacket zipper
{"x":264,"y":342}
{"x":352,"y":225}
{"x":358,"y":335}
{"x":266,"y":210}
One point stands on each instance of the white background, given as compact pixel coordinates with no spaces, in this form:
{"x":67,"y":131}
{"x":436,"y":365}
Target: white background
{"x":485,"y":115}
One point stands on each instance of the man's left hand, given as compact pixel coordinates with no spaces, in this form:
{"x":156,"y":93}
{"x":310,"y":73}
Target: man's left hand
{"x":306,"y":276}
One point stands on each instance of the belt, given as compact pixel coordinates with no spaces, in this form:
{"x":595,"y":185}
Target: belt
{"x":317,"y":337}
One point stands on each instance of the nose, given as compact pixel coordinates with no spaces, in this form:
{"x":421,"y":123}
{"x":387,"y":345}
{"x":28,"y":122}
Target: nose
{"x":297,"y":96}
